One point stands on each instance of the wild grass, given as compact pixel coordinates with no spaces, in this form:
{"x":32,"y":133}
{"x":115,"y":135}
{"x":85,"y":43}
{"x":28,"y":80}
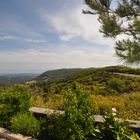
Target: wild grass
{"x":127,"y":105}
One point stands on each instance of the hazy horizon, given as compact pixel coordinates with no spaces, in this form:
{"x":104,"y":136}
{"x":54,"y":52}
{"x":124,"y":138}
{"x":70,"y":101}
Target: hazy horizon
{"x":59,"y":69}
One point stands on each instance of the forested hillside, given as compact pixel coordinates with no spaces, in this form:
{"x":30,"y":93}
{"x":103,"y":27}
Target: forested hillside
{"x":103,"y":81}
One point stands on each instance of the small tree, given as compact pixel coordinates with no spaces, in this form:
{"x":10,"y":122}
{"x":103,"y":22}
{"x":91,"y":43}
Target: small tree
{"x":119,"y":17}
{"x":79,"y":114}
{"x":78,"y":121}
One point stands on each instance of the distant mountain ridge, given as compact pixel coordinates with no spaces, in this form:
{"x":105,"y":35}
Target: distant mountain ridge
{"x":63,"y":73}
{"x":54,"y":74}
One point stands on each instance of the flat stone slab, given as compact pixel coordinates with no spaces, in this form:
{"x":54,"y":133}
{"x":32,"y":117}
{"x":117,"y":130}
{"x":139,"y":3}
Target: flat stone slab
{"x":45,"y":111}
{"x":7,"y":135}
{"x":98,"y":118}
{"x":135,"y":124}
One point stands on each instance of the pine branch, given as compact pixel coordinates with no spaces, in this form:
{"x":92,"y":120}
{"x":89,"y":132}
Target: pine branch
{"x":109,"y":11}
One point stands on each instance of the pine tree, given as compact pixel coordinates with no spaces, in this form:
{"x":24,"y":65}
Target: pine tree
{"x":119,"y":17}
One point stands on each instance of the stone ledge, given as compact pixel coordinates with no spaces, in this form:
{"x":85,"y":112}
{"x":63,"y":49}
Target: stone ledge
{"x":5,"y":134}
{"x":98,"y":118}
{"x":44,"y":111}
{"x":134,"y":124}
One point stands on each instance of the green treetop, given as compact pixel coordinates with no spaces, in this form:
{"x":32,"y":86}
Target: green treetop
{"x":119,"y":17}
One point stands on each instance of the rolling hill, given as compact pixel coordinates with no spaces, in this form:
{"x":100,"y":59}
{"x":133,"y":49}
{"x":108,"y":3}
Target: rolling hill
{"x":107,"y":80}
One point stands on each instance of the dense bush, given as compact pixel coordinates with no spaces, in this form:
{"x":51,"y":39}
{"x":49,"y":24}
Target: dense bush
{"x":108,"y":91}
{"x":55,"y":128}
{"x":79,"y":114}
{"x":26,"y":124}
{"x":12,"y":102}
{"x":78,"y":121}
{"x":116,"y":84}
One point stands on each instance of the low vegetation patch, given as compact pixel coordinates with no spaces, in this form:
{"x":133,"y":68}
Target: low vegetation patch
{"x":12,"y":102}
{"x":25,"y":123}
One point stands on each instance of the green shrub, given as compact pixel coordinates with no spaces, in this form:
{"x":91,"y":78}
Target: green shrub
{"x":116,"y":84}
{"x":26,"y":124}
{"x":79,"y":114}
{"x":55,"y":129}
{"x":108,"y":91}
{"x":113,"y":129}
{"x":78,"y":121}
{"x":10,"y":103}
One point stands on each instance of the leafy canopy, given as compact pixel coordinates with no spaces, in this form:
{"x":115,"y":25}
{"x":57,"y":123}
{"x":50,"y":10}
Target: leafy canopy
{"x":119,"y":17}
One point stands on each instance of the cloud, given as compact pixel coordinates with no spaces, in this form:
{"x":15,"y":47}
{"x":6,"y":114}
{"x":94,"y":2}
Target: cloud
{"x":8,"y":37}
{"x":36,"y":41}
{"x":67,"y":37}
{"x":33,"y":60}
{"x":72,"y":23}
{"x":19,"y":38}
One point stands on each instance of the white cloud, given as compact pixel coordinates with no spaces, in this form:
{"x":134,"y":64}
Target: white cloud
{"x":19,"y":38}
{"x":67,"y":37}
{"x":73,"y":23}
{"x":36,"y":40}
{"x":8,"y":37}
{"x":38,"y":61}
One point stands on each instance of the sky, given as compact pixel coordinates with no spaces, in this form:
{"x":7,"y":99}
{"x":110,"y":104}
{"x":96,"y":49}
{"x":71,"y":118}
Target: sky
{"x":40,"y":35}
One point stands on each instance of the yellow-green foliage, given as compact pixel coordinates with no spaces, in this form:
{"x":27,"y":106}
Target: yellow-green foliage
{"x":15,"y":88}
{"x":25,"y":123}
{"x":53,"y":101}
{"x":128,"y":105}
{"x":56,"y":101}
{"x":38,"y":101}
{"x":12,"y":101}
